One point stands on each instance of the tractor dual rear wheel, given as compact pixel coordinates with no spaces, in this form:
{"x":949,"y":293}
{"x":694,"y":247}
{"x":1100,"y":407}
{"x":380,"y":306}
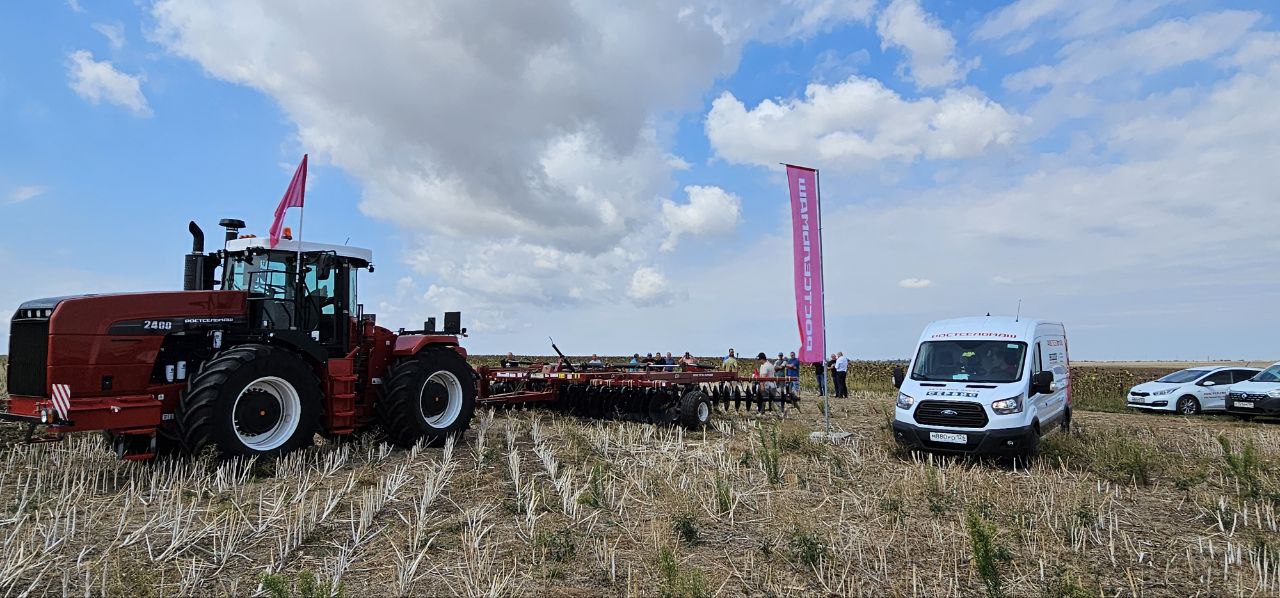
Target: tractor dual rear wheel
{"x":251,"y":400}
{"x":428,"y":397}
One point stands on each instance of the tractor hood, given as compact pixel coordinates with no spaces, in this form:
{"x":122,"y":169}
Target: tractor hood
{"x":104,"y":314}
{"x":49,"y":303}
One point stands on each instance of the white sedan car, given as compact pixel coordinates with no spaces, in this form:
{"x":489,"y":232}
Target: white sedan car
{"x":1189,"y":391}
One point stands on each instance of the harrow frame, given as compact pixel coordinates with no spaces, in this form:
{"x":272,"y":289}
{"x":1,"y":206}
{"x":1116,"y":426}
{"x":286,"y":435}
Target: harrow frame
{"x":633,"y":392}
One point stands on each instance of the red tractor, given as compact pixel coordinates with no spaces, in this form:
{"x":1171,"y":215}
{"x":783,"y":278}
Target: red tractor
{"x":279,"y":352}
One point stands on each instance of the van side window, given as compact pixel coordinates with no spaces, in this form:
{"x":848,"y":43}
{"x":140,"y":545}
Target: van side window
{"x":1036,"y":362}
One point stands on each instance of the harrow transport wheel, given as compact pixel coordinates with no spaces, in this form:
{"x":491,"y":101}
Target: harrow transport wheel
{"x":695,"y":409}
{"x":431,"y":396}
{"x":250,"y":400}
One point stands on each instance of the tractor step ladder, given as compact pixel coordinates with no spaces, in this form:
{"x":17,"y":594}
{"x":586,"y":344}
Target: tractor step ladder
{"x":340,"y":388}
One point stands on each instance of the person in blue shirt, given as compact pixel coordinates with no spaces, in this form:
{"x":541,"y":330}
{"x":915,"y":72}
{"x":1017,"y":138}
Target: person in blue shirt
{"x":793,"y":371}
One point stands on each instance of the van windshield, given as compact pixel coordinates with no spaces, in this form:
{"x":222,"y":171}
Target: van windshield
{"x":969,"y":361}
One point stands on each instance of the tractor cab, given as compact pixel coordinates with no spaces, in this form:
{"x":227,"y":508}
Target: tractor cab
{"x":320,"y":304}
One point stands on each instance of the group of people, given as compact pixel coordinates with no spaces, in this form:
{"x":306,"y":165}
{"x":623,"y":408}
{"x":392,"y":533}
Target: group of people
{"x":837,"y":365}
{"x":658,"y":360}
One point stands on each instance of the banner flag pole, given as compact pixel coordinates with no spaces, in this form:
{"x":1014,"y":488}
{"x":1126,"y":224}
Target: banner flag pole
{"x":810,"y":289}
{"x":822,"y":271}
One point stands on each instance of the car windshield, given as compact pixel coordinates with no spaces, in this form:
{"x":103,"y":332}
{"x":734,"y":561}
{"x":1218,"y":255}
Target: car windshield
{"x":1271,"y":374}
{"x":969,"y":361}
{"x":1183,"y":376}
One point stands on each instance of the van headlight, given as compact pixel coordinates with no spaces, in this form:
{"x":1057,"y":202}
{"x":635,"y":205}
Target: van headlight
{"x":1167,"y":391}
{"x":1008,"y":406}
{"x":905,"y":401}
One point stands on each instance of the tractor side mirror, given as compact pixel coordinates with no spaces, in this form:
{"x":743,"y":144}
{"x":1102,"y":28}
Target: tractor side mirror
{"x":1042,"y":383}
{"x":899,"y":375}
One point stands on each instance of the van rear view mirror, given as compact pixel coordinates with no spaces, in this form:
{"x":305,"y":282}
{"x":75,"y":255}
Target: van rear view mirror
{"x":1042,"y":383}
{"x":898,"y":376}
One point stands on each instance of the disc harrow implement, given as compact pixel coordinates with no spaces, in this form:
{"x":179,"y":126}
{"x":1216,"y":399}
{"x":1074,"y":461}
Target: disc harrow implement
{"x":688,"y":396}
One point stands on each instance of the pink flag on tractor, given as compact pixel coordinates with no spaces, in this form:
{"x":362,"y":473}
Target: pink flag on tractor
{"x":293,"y":198}
{"x":807,"y":254}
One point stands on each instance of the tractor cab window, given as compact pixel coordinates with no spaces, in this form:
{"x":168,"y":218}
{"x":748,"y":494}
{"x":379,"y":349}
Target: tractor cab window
{"x":321,"y":286}
{"x":264,"y":275}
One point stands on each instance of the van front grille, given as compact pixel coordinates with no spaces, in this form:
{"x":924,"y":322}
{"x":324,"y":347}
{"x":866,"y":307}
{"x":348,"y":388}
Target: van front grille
{"x":951,"y":414}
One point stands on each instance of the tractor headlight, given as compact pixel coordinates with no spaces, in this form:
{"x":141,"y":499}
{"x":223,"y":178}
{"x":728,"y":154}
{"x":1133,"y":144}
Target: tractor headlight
{"x":905,"y":401}
{"x":1167,"y":391}
{"x":1008,"y":406}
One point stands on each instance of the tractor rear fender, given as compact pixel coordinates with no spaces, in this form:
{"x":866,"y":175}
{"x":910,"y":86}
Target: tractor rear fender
{"x":411,"y":344}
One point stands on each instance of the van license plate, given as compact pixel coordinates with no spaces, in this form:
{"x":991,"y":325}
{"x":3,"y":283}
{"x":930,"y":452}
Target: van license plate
{"x":952,"y":438}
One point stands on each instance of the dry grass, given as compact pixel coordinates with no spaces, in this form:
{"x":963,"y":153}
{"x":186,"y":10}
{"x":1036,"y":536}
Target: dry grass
{"x":536,"y":503}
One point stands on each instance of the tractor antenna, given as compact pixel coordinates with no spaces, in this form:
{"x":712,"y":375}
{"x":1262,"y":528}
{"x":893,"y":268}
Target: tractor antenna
{"x":1018,"y":317}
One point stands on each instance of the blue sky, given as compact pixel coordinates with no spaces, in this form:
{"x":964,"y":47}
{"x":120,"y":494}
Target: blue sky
{"x":608,"y":176}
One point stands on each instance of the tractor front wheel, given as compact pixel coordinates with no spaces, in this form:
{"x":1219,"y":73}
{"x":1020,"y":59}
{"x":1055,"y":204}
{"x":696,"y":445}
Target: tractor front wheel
{"x":428,"y":397}
{"x":251,"y":400}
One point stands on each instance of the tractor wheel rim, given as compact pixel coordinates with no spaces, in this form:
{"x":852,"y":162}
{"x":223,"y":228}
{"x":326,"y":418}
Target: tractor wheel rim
{"x":440,"y":399}
{"x":704,"y":412}
{"x":266,"y":413}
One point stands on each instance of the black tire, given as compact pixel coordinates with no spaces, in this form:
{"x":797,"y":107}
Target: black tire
{"x":695,"y":409}
{"x":1066,"y":420}
{"x":276,"y":383}
{"x":428,"y":397}
{"x":1188,"y":405}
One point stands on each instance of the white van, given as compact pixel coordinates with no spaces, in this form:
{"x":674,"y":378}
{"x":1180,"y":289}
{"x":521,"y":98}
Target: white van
{"x":987,"y":385}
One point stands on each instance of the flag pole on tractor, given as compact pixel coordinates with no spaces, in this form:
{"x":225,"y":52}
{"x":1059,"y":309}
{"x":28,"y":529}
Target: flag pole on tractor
{"x":806,"y":235}
{"x":294,"y":197}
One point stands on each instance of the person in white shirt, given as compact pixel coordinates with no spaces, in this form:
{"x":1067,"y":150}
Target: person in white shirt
{"x":842,"y":373}
{"x":766,"y":369}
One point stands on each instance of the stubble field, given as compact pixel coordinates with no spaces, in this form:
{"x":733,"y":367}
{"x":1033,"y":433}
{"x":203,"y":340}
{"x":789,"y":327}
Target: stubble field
{"x":533,"y":502}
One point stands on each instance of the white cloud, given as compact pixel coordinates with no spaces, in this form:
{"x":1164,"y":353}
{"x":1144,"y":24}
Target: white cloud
{"x":74,"y":5}
{"x":1029,"y":21}
{"x":1003,"y":280}
{"x":930,"y":48}
{"x":499,"y":133}
{"x":915,"y":283}
{"x":27,"y":192}
{"x":98,"y":81}
{"x":113,"y":32}
{"x":710,"y":211}
{"x":1164,"y":45}
{"x":649,"y":287}
{"x":857,"y":124}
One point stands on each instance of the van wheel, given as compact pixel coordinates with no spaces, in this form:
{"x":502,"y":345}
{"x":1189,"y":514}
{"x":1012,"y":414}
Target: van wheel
{"x":1066,"y":420}
{"x":1188,"y":405}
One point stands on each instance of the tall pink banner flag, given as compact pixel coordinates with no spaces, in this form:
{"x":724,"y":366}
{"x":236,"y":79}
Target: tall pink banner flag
{"x":807,"y":254}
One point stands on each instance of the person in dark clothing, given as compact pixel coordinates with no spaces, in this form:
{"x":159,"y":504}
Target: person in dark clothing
{"x":820,"y":372}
